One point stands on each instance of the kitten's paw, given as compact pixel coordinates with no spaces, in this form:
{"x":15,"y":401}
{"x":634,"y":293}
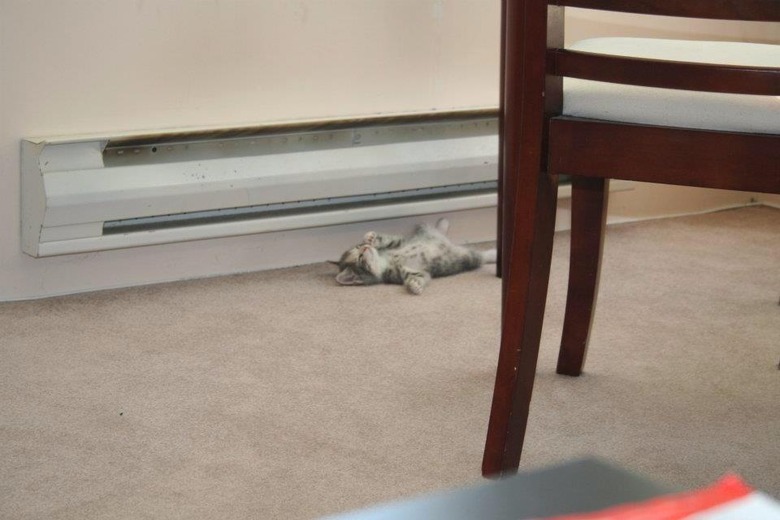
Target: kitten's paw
{"x":370,"y":238}
{"x":490,"y":256}
{"x":415,"y":285}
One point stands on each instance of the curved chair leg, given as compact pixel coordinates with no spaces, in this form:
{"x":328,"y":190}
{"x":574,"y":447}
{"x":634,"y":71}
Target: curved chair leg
{"x":525,"y":291}
{"x":588,"y":219}
{"x":529,"y":197}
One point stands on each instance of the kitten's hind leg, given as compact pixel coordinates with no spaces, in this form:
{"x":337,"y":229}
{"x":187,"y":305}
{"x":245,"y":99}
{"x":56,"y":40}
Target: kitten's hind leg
{"x":489,"y":257}
{"x":443,"y":225}
{"x":382,"y":241}
{"x":415,"y":281}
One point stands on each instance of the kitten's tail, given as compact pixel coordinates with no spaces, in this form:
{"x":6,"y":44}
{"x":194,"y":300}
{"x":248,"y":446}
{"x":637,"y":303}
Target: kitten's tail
{"x":489,"y":257}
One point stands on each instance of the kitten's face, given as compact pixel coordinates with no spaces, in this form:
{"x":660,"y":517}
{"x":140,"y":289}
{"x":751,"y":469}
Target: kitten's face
{"x":359,"y":266}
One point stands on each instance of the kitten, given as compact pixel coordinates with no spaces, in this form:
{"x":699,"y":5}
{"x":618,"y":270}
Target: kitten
{"x":410,"y":261}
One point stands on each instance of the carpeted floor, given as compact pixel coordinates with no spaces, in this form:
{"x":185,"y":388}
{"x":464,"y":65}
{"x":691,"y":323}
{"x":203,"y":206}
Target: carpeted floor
{"x":282,"y":395}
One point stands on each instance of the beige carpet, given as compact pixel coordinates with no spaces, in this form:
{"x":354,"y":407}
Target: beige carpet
{"x":282,"y":395}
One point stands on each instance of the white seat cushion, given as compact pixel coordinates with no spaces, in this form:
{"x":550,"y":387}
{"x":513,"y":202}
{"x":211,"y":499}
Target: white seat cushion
{"x":680,"y":108}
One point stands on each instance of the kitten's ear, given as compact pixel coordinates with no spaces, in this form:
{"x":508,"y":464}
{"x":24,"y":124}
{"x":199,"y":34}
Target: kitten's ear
{"x":348,"y":277}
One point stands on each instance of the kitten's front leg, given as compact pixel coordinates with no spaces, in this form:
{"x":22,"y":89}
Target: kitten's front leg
{"x":415,"y":281}
{"x":369,"y":238}
{"x":380,"y":241}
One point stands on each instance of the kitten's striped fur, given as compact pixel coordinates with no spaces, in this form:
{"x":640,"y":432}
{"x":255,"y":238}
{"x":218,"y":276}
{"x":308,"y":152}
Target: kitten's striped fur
{"x":410,"y":261}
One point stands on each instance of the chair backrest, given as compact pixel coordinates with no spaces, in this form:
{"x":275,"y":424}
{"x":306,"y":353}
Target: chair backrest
{"x":533,"y":20}
{"x":670,"y":74}
{"x":535,"y":63}
{"x":748,"y":10}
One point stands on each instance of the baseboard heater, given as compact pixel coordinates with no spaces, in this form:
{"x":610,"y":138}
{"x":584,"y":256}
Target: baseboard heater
{"x":97,"y":194}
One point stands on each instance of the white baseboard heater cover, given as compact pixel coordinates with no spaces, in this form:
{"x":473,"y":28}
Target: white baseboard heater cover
{"x":99,"y":194}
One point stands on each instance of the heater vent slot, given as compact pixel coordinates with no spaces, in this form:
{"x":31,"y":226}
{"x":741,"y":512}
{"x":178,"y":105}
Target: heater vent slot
{"x":286,"y":209}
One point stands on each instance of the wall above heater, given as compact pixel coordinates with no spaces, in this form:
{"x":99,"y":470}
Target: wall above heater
{"x":109,"y":193}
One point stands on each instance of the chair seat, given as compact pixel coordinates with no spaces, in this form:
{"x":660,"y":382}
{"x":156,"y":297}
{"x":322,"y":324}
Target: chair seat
{"x":679,"y":108}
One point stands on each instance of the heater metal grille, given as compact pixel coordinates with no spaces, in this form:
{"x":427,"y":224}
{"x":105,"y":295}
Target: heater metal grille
{"x":304,"y":207}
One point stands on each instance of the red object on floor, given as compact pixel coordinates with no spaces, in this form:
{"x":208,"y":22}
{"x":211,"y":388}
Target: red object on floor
{"x":673,"y":507}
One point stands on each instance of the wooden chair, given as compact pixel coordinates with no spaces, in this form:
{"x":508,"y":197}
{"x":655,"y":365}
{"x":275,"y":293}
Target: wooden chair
{"x":685,"y":123}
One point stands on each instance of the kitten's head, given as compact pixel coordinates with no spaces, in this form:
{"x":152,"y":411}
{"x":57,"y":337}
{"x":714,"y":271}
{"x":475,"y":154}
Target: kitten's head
{"x":359,"y":266}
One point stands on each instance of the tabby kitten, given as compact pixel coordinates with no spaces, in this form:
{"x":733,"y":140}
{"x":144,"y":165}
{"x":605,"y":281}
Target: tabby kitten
{"x":410,"y":261}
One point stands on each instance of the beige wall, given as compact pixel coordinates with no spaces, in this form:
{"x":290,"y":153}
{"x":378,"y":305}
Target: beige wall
{"x":70,"y":67}
{"x":583,"y":23}
{"x":769,"y":200}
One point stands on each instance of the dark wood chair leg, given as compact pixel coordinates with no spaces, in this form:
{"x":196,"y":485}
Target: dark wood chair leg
{"x":501,"y":189}
{"x":529,"y":197}
{"x":588,"y":219}
{"x":525,"y":289}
